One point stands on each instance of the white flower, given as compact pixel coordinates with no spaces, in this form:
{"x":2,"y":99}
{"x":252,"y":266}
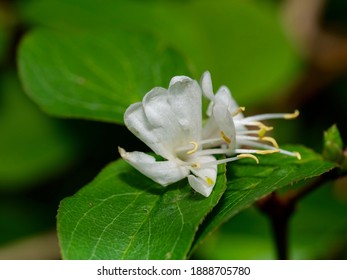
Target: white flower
{"x":170,"y":123}
{"x":227,"y":122}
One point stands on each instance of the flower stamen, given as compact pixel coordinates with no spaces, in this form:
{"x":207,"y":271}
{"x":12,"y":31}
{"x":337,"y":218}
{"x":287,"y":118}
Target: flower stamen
{"x":248,"y":156}
{"x":262,"y":132}
{"x":258,"y":124}
{"x":266,"y":152}
{"x":292,"y":116}
{"x":195,"y":148}
{"x":209,"y":181}
{"x":196,"y":165}
{"x":238,"y":111}
{"x":225,"y":138}
{"x":271,"y":140}
{"x":297,"y":154}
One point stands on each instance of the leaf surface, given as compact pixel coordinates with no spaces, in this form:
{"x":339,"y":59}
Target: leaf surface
{"x":94,"y":75}
{"x":124,"y":215}
{"x":248,"y":182}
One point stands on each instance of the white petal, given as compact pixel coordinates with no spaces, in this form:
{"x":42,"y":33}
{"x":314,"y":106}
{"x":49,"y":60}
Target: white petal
{"x":199,"y":185}
{"x":164,"y":120}
{"x":210,"y":129}
{"x":178,"y":79}
{"x":204,"y":179}
{"x":225,"y":123}
{"x":137,"y":122}
{"x":162,"y":172}
{"x":223,"y":96}
{"x":206,"y":85}
{"x":184,"y":98}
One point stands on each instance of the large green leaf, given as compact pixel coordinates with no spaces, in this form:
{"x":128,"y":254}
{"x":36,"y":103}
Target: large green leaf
{"x":94,"y":75}
{"x":248,"y":183}
{"x":242,"y":43}
{"x":124,"y":215}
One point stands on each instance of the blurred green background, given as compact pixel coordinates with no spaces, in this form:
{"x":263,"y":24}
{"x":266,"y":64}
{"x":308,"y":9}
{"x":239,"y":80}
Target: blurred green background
{"x":275,"y":56}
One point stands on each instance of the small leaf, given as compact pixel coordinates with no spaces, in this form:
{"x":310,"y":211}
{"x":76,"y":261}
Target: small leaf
{"x":94,"y":75}
{"x":332,"y":145}
{"x":249,"y":182}
{"x":124,"y":215}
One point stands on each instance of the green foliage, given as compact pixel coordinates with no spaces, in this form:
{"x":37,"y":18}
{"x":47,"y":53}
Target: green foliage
{"x":117,"y":217}
{"x":77,"y":76}
{"x":32,"y":145}
{"x":247,"y":183}
{"x":248,"y":235}
{"x":332,"y":145}
{"x":254,"y":61}
{"x":89,"y":60}
{"x":124,"y":215}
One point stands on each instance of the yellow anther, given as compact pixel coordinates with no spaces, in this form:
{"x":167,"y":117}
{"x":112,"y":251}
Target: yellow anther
{"x":209,"y":181}
{"x":271,"y":140}
{"x":292,"y":116}
{"x":194,"y":149}
{"x":238,"y":111}
{"x":262,"y":132}
{"x":266,"y":152}
{"x":196,"y":165}
{"x":298,"y":156}
{"x":261,"y":126}
{"x":248,"y":156}
{"x":225,"y":138}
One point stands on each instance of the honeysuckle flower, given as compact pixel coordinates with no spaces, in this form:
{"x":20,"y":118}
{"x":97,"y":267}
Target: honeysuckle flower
{"x":169,"y":122}
{"x":227,"y":122}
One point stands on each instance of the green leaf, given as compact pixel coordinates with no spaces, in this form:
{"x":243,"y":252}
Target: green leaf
{"x":94,"y":75}
{"x":124,"y":215}
{"x":244,"y":46}
{"x":255,"y":61}
{"x":332,"y":145}
{"x":33,"y":146}
{"x":248,"y":234}
{"x":248,"y":182}
{"x":247,"y":237}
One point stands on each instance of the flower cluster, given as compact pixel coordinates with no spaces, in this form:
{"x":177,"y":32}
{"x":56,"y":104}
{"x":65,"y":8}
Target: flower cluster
{"x":169,"y":122}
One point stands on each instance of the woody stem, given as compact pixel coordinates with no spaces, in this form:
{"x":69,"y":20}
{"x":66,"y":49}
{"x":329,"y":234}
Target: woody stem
{"x":280,"y":209}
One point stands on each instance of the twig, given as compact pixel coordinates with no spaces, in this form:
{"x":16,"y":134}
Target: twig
{"x":279,"y":209}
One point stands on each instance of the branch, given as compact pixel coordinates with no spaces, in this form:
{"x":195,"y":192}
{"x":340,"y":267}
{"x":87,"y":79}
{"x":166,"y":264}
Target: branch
{"x":279,"y":209}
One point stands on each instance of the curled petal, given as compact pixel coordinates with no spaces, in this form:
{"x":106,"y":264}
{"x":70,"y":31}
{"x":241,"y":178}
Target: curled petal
{"x":225,"y":123}
{"x":203,"y":179}
{"x":137,"y":122}
{"x":200,"y":185}
{"x":206,"y":85}
{"x":224,"y":96}
{"x":162,"y":172}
